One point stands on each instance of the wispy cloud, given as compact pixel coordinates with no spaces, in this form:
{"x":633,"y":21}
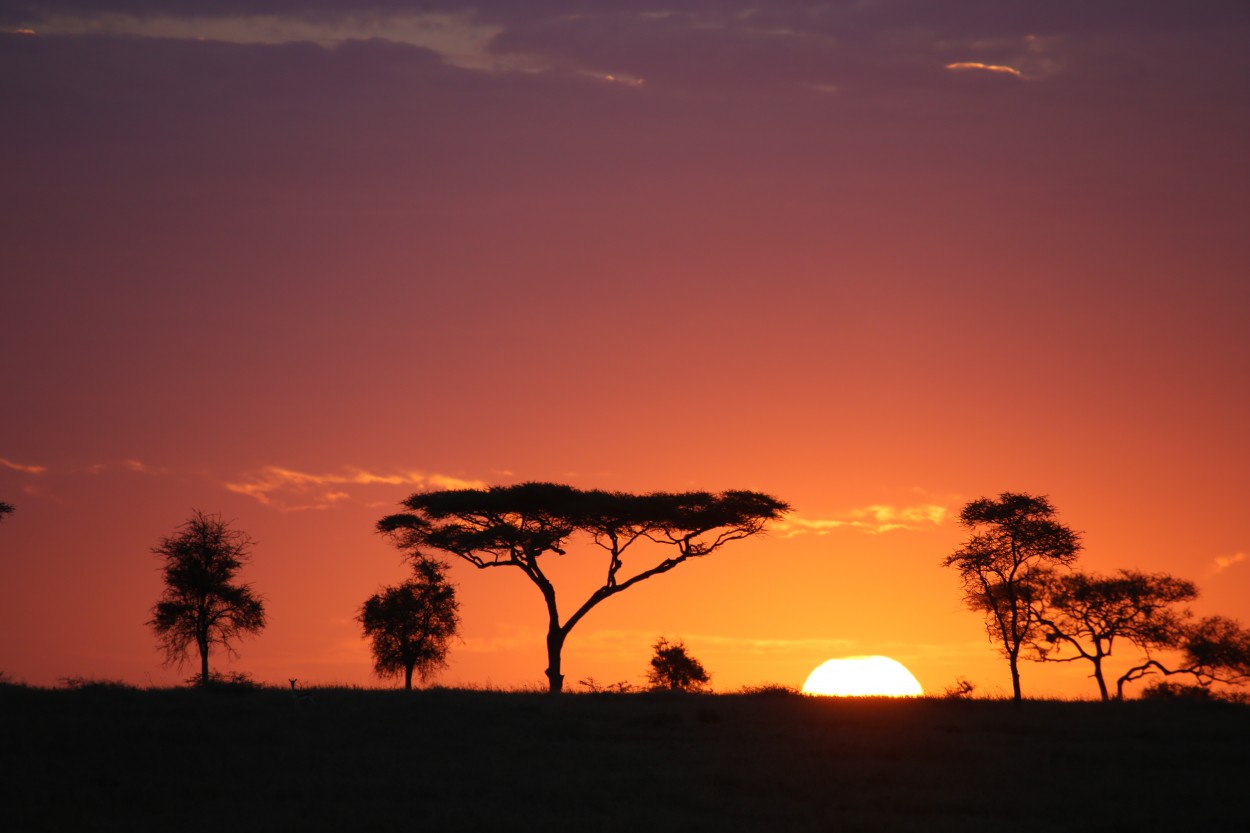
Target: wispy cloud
{"x":417,"y":29}
{"x":136,"y":466}
{"x":290,"y":491}
{"x":459,"y":39}
{"x":622,"y":78}
{"x":874,"y":520}
{"x":1223,"y":562}
{"x":9,"y":464}
{"x":977,"y":66}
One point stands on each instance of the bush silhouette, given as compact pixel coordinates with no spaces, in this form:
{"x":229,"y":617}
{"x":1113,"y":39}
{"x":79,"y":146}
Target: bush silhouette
{"x":672,"y":669}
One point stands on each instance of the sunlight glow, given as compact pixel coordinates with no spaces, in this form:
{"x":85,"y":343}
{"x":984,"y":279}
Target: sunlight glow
{"x":863,"y":677}
{"x":977,"y":65}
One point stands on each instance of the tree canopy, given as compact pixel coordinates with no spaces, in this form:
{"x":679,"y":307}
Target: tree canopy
{"x":515,"y":526}
{"x":202,"y":604}
{"x":673,"y":669}
{"x":1214,"y":649}
{"x":1083,"y":614}
{"x":411,"y":625}
{"x":1015,"y":541}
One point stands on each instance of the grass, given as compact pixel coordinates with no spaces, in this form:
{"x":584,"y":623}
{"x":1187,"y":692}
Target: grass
{"x":106,"y":758}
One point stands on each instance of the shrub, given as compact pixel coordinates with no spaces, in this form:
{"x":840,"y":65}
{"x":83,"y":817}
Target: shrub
{"x":91,"y":684}
{"x":672,"y":669}
{"x":770,"y":690}
{"x":1176,"y":691}
{"x":961,"y":689}
{"x":233,"y":681}
{"x":595,"y":687}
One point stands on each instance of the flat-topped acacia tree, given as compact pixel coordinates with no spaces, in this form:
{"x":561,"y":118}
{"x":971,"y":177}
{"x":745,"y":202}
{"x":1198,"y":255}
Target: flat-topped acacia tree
{"x":1014,"y":547}
{"x":515,"y":526}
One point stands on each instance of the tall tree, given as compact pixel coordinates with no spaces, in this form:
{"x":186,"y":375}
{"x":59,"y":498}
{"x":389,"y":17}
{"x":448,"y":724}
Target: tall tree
{"x":515,"y":526}
{"x":1083,"y":614}
{"x":412,"y":625}
{"x":203,"y":605}
{"x":673,"y":669}
{"x":1014,"y":544}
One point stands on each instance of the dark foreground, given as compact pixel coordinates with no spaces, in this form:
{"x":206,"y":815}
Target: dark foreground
{"x":183,"y":760}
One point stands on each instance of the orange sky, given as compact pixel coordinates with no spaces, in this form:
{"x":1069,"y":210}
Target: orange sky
{"x":835,"y":253}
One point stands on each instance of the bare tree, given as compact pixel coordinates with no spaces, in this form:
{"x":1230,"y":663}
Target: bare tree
{"x":1015,"y":542}
{"x":412,"y":625}
{"x":202,"y":605}
{"x":515,"y":526}
{"x":1082,"y":615}
{"x":673,"y":669}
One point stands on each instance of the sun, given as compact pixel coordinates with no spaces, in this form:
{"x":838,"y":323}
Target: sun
{"x":863,"y":677}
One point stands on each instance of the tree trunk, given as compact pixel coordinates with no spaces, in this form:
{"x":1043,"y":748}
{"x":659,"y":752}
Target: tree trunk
{"x":1102,"y":684}
{"x":408,"y":676}
{"x":1016,"y":695}
{"x":203,"y":645}
{"x":555,"y":644}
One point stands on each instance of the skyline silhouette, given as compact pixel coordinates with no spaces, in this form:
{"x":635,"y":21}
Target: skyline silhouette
{"x":294,"y":262}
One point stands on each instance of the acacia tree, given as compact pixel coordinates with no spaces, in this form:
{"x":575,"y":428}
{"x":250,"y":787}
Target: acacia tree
{"x":203,"y":605}
{"x":412,"y":625}
{"x":515,"y":526}
{"x":1083,"y":614}
{"x":1215,"y":649}
{"x":673,"y":669}
{"x":1015,"y":543}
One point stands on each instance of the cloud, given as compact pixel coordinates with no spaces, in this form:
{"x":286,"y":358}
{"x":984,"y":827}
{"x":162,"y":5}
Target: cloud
{"x":457,"y":38}
{"x":291,"y":491}
{"x":961,"y":66}
{"x":9,"y":464}
{"x":874,"y":520}
{"x":136,"y":466}
{"x":622,"y":78}
{"x":1223,"y":562}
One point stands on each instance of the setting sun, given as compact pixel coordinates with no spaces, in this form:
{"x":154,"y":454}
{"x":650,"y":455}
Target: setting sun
{"x":862,"y":677}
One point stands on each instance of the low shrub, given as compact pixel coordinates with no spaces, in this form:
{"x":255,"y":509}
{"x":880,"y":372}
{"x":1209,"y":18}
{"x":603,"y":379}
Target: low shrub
{"x":76,"y":683}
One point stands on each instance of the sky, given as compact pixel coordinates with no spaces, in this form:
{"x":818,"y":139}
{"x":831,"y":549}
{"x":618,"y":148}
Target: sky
{"x":291,"y":261}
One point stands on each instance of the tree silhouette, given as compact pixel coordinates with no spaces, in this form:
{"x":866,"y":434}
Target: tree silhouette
{"x":515,"y":526}
{"x":1086,"y":613}
{"x":5,"y":509}
{"x":412,"y":625}
{"x":202,"y":606}
{"x":672,"y":669}
{"x":1215,"y":649}
{"x":1014,"y":542}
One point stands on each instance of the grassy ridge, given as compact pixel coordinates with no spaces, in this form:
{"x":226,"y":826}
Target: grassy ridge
{"x":186,"y":760}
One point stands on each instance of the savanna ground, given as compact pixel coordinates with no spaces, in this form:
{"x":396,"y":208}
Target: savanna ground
{"x":113,"y":759}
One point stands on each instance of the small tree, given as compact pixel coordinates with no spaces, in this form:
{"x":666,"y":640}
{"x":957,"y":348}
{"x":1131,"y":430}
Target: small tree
{"x":515,"y":526}
{"x":1015,"y":542}
{"x":1215,"y":649}
{"x":672,"y":669}
{"x":5,"y":509}
{"x":202,"y":605}
{"x":1082,"y":615}
{"x":412,"y":625}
